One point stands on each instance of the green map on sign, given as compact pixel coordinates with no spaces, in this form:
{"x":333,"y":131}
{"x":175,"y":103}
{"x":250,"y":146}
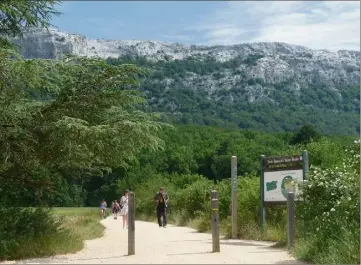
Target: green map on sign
{"x":271,"y":185}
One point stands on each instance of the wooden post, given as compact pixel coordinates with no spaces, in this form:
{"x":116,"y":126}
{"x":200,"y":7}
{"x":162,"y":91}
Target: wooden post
{"x":234,"y":196}
{"x":263,"y":210}
{"x":305,"y":163}
{"x":215,"y":223}
{"x":131,"y":223}
{"x":290,"y":219}
{"x":213,"y":226}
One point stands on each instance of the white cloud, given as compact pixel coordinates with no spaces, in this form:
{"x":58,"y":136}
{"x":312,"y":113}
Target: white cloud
{"x":320,"y":25}
{"x":176,"y":38}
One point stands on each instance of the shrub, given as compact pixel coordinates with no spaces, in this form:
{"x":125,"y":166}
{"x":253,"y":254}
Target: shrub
{"x":330,"y":213}
{"x":194,"y":199}
{"x":23,"y":225}
{"x":248,"y":210}
{"x":29,"y":233}
{"x":326,"y":153}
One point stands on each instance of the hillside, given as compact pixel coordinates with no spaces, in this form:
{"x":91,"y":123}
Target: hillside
{"x":262,"y":86}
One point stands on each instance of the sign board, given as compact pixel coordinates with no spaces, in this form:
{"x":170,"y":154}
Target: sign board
{"x":279,"y":176}
{"x":278,"y":183}
{"x":276,"y":163}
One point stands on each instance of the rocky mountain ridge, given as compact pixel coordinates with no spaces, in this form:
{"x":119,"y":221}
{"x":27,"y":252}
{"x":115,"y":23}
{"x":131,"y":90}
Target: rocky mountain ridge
{"x":278,"y":62}
{"x":277,"y":74}
{"x":53,"y":42}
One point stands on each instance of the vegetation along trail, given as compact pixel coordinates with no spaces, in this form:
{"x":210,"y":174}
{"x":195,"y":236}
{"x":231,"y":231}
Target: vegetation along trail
{"x":83,"y":120}
{"x":173,"y":245}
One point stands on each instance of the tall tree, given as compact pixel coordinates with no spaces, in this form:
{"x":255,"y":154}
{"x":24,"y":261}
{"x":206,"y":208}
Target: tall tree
{"x":87,"y":123}
{"x":17,"y":14}
{"x":305,"y":135}
{"x":73,"y":117}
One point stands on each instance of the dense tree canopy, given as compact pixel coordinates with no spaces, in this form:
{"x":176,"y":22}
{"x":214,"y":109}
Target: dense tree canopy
{"x":75,"y":116}
{"x":187,"y":101}
{"x":306,"y":134}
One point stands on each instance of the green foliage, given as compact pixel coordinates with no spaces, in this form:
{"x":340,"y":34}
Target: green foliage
{"x":60,"y":122}
{"x":331,"y":210}
{"x":327,"y":220}
{"x":23,"y":225}
{"x":17,"y":14}
{"x":207,"y":150}
{"x":146,"y":191}
{"x":184,"y":98}
{"x":30,"y":233}
{"x":305,"y":135}
{"x":194,"y":199}
{"x":77,"y":130}
{"x":190,"y":198}
{"x":90,"y":124}
{"x":328,"y":152}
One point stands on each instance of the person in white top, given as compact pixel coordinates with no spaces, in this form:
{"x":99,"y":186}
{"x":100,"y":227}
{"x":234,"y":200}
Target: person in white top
{"x":124,"y":208}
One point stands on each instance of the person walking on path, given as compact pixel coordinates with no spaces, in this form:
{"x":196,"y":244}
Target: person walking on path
{"x":103,"y":207}
{"x":115,"y":209}
{"x":124,"y":208}
{"x":161,"y":199}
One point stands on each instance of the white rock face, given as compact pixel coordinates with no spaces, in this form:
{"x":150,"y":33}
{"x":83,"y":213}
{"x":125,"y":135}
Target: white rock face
{"x":279,"y":62}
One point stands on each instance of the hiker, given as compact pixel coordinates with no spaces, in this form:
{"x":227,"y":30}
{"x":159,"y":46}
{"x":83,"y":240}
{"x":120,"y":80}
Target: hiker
{"x":161,"y":199}
{"x":124,"y":208}
{"x":115,"y":209}
{"x":103,"y":207}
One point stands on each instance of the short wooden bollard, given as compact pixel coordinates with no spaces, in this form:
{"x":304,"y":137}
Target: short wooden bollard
{"x":131,"y":223}
{"x":290,"y":219}
{"x":215,"y":223}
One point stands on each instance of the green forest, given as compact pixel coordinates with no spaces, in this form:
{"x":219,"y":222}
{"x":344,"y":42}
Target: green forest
{"x":192,"y":104}
{"x":77,"y":130}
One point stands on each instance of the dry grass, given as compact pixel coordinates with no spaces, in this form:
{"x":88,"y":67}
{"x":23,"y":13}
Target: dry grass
{"x":78,"y":225}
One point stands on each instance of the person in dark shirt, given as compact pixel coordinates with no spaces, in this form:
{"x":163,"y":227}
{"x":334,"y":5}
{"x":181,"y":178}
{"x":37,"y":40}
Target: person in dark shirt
{"x":161,"y":199}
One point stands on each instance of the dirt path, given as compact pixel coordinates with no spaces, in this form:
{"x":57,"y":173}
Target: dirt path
{"x":171,"y":245}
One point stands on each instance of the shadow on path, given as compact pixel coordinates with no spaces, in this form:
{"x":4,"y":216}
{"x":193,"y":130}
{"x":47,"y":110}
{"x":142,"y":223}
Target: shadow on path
{"x":291,"y":262}
{"x":190,"y":240}
{"x":241,"y":244}
{"x":193,"y":253}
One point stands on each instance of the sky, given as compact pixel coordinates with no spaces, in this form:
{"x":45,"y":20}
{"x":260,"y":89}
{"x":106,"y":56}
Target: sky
{"x":332,"y":25}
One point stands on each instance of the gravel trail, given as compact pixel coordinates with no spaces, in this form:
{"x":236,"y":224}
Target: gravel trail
{"x":171,"y":245}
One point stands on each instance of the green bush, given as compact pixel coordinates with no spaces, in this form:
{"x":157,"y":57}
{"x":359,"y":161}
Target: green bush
{"x":224,"y":190}
{"x":194,"y":199}
{"x":248,"y":210}
{"x":40,"y":232}
{"x":326,"y":153}
{"x":330,"y":213}
{"x":20,"y":225}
